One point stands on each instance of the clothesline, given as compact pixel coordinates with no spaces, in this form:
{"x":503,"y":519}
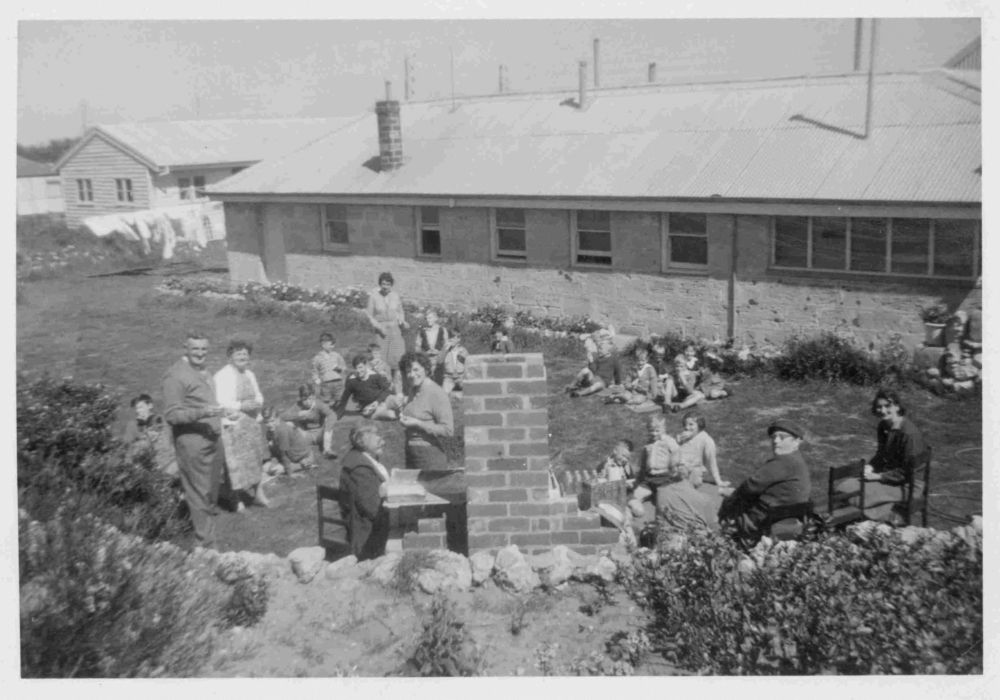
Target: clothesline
{"x":164,"y":228}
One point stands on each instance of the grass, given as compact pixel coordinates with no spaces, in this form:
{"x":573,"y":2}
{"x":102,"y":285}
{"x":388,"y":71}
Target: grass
{"x":117,"y":330}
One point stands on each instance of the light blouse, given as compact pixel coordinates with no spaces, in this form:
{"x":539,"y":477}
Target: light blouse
{"x":227,"y":381}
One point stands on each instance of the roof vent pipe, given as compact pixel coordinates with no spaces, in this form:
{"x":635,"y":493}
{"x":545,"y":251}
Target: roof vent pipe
{"x":597,"y":63}
{"x":652,"y":73}
{"x":390,"y":133}
{"x":582,"y":99}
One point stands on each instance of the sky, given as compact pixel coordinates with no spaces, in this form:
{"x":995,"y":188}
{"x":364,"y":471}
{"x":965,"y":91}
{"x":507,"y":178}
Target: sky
{"x":75,"y":72}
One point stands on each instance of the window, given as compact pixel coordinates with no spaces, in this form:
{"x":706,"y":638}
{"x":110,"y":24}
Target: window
{"x":199,"y":185}
{"x":184,"y":187}
{"x":510,"y":235}
{"x":429,"y":229}
{"x":123,"y":188}
{"x":335,"y":235}
{"x":84,"y":191}
{"x":897,"y":246}
{"x":593,"y":237}
{"x":687,"y":240}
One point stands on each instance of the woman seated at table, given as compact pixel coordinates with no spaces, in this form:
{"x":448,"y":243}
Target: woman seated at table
{"x":899,"y":444}
{"x":426,"y":416}
{"x":363,"y":488}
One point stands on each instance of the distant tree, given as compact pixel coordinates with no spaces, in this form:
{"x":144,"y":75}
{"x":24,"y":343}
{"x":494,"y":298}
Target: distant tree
{"x":46,"y":153}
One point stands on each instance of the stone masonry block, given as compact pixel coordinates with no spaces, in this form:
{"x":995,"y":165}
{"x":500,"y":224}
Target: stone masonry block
{"x":532,"y":509}
{"x":528,"y":449}
{"x":486,"y":480}
{"x":525,"y":418}
{"x":475,"y":464}
{"x":565,"y":537}
{"x":533,"y":387}
{"x":509,"y":525}
{"x":533,"y":371}
{"x":541,"y":401}
{"x":430,"y":526}
{"x":604,"y":536}
{"x":490,"y":451}
{"x":478,"y":388}
{"x":503,"y":496}
{"x":414,"y":541}
{"x":480,"y":495}
{"x":507,"y":465}
{"x":534,"y":538}
{"x":506,"y":371}
{"x":488,"y":510}
{"x":529,"y":479}
{"x":505,"y":434}
{"x":477,"y":435}
{"x":474,"y":371}
{"x":504,"y":403}
{"x":538,"y":433}
{"x":539,"y":495}
{"x":541,"y":525}
{"x":538,"y":464}
{"x":471,"y":403}
{"x":585,"y":549}
{"x":590,"y":521}
{"x":491,"y":540}
{"x":489,"y":419}
{"x":478,"y":525}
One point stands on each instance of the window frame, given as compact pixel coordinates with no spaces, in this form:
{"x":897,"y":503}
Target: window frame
{"x":421,"y":226}
{"x":124,"y":193}
{"x":199,"y":190}
{"x":85,"y":190}
{"x":184,"y":188}
{"x":328,"y":245}
{"x":498,"y":255}
{"x":576,"y":251}
{"x":887,"y":267}
{"x":666,"y":249}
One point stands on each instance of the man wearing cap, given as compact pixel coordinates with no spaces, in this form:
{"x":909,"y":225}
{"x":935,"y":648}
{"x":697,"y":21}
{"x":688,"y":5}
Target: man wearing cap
{"x":782,"y":480}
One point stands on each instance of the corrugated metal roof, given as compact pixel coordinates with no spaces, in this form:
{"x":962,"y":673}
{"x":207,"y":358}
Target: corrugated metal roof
{"x":969,"y":58}
{"x":171,"y":144}
{"x":32,"y":168}
{"x":735,"y":140}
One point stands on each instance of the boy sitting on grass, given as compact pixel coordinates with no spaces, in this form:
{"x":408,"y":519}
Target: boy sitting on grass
{"x":378,"y":365}
{"x":604,"y":372}
{"x":290,"y":445}
{"x":314,"y":418}
{"x":680,"y":390}
{"x":368,"y":389}
{"x":642,"y":385}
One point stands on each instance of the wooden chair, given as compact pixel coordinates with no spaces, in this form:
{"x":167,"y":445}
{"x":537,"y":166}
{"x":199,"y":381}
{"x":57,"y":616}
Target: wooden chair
{"x":840,"y":509}
{"x":911,"y":500}
{"x":788,"y":522}
{"x":332,"y":526}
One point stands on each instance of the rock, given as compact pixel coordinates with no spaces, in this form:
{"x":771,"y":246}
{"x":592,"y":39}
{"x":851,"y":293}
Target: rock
{"x":481,"y":564}
{"x":346,"y":584}
{"x":365,"y":567}
{"x":555,"y":566}
{"x":270,"y":564}
{"x":385,"y":568}
{"x":451,"y":571}
{"x":306,"y":562}
{"x":865,"y":530}
{"x":604,"y":568}
{"x":342,"y":568}
{"x":619,"y":554}
{"x":912,"y":534}
{"x":512,"y":572}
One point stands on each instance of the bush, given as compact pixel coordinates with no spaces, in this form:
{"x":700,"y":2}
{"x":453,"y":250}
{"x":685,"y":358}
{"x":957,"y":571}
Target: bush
{"x":834,"y":605}
{"x":829,"y":358}
{"x":445,"y":646}
{"x":247,"y":604}
{"x":95,"y":603}
{"x":66,"y":453}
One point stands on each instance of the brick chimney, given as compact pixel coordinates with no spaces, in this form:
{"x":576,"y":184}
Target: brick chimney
{"x":390,"y":133}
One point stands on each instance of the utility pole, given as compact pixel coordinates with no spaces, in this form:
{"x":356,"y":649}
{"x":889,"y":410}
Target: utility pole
{"x":871,"y":77}
{"x":451,"y":53}
{"x":858,"y":26}
{"x":407,"y":78}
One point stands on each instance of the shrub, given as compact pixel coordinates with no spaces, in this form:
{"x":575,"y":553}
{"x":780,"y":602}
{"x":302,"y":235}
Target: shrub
{"x":95,"y":603}
{"x":413,"y":561}
{"x":834,"y":605}
{"x":247,"y":603}
{"x":828,"y":357}
{"x":445,"y":646}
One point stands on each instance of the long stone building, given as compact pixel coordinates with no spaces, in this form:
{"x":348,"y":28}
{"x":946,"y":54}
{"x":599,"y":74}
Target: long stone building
{"x":751,"y":209}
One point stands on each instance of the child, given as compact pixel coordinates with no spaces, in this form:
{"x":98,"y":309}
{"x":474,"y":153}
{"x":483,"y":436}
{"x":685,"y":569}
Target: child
{"x":501,"y":342}
{"x":453,"y":363}
{"x":710,"y":383}
{"x":290,"y":445}
{"x":378,"y":365}
{"x":590,"y":345}
{"x":642,"y":386}
{"x":680,"y":390}
{"x":314,"y":418}
{"x":431,"y":340}
{"x":618,"y":465}
{"x":659,"y":467}
{"x":328,"y":369}
{"x":661,"y":365}
{"x":149,"y":432}
{"x":604,"y":372}
{"x":369,"y":390}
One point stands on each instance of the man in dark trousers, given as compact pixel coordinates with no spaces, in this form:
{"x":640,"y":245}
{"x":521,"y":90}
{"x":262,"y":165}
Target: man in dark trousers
{"x":781,"y":480}
{"x":191,"y":410}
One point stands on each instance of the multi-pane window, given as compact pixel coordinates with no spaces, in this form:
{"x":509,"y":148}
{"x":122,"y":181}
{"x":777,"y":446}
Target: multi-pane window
{"x":123,"y":189}
{"x":897,"y":246}
{"x":687,"y":240}
{"x":84,"y":191}
{"x":184,"y":187}
{"x":510,"y":235}
{"x":593,"y":237}
{"x":199,"y":185}
{"x":429,"y":231}
{"x":335,"y":233}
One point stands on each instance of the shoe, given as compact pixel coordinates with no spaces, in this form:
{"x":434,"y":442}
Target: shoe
{"x":240,"y":507}
{"x":328,"y":455}
{"x":574,"y":394}
{"x":675,"y":408}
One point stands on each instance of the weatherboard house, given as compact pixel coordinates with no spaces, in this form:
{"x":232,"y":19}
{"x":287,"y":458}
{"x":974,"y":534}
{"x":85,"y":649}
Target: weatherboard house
{"x":128,"y":167}
{"x":752,"y":209}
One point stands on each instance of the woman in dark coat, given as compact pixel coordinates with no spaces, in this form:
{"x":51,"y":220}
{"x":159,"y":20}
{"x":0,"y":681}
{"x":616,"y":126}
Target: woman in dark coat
{"x":362,"y":493}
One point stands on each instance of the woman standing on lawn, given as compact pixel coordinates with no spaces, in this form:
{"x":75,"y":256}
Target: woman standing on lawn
{"x":899,"y":444}
{"x":385,"y":311}
{"x":362,"y":493}
{"x":243,"y":445}
{"x":426,"y":416}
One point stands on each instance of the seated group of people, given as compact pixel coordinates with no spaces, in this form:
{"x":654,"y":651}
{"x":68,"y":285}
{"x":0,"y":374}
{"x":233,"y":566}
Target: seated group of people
{"x":652,"y":381}
{"x":672,"y":470}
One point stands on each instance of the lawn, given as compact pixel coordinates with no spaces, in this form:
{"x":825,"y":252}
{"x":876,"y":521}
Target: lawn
{"x":119,"y":331}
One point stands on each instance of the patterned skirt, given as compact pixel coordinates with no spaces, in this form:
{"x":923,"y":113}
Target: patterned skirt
{"x":245,"y":450}
{"x":392,"y":344}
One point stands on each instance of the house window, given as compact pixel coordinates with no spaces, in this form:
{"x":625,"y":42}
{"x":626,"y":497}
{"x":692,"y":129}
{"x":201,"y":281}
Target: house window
{"x":898,"y":246}
{"x":429,"y":229}
{"x":593,"y":237}
{"x":123,"y":188}
{"x":335,"y":235}
{"x":686,"y":241}
{"x":184,"y":187}
{"x":84,"y":191}
{"x":199,"y":185}
{"x":510,"y":234}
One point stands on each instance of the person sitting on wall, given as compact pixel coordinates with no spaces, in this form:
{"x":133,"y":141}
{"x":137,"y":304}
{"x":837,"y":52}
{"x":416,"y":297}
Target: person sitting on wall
{"x":432,"y":340}
{"x":782,"y":480}
{"x":680,"y":390}
{"x":453,"y":364}
{"x":369,"y":391}
{"x":659,"y":465}
{"x":603,"y":373}
{"x":642,"y":386}
{"x":502,"y":344}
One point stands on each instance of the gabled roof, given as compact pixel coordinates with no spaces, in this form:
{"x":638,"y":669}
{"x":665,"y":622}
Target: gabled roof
{"x":162,"y":145}
{"x":31,"y":168}
{"x":775,"y":139}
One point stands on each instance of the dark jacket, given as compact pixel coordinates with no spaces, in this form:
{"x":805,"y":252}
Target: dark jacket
{"x":781,"y":480}
{"x":362,"y":507}
{"x":895,"y":450}
{"x":364,"y":391}
{"x":608,"y":368}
